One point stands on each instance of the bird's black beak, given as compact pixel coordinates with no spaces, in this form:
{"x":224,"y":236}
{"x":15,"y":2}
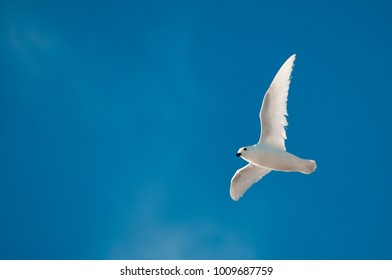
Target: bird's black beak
{"x":238,"y":154}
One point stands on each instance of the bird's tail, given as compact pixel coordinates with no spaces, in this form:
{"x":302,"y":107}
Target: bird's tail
{"x":308,"y":167}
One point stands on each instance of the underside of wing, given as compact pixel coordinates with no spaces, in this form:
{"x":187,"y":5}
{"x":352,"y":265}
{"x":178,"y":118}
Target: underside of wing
{"x":274,"y":109}
{"x":244,"y":178}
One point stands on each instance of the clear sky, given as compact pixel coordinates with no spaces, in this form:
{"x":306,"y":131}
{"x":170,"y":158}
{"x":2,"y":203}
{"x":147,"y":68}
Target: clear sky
{"x":120,"y":121}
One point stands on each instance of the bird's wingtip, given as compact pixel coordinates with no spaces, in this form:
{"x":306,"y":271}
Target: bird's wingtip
{"x":234,"y":196}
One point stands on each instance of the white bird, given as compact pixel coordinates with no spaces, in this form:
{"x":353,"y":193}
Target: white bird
{"x":270,"y":152}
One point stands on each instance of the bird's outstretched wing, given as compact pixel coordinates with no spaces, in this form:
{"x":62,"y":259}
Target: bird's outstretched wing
{"x":274,"y":109}
{"x":244,"y":178}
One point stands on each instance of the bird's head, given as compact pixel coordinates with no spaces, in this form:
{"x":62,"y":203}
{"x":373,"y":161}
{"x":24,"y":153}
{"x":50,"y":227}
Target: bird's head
{"x":242,"y":151}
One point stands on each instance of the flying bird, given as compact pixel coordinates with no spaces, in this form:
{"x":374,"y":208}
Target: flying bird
{"x":270,"y":152}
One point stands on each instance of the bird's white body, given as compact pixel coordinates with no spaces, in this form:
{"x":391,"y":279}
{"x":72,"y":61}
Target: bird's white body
{"x":270,"y":152}
{"x":269,"y":157}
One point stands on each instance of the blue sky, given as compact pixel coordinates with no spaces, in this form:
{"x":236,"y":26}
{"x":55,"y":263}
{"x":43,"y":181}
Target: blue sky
{"x":120,"y":121}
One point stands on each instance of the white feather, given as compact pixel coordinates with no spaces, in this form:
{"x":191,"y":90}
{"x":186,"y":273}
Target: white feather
{"x":244,"y":178}
{"x":274,"y":109}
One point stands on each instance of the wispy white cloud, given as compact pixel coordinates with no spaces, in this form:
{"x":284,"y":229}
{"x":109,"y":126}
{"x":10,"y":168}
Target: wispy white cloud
{"x":29,"y":40}
{"x":187,"y":240}
{"x":152,"y":235}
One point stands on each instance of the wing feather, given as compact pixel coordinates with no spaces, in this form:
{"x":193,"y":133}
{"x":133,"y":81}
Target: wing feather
{"x":274,"y":109}
{"x":244,"y":178}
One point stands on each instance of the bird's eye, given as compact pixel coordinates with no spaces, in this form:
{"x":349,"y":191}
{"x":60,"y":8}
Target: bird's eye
{"x":245,"y":149}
